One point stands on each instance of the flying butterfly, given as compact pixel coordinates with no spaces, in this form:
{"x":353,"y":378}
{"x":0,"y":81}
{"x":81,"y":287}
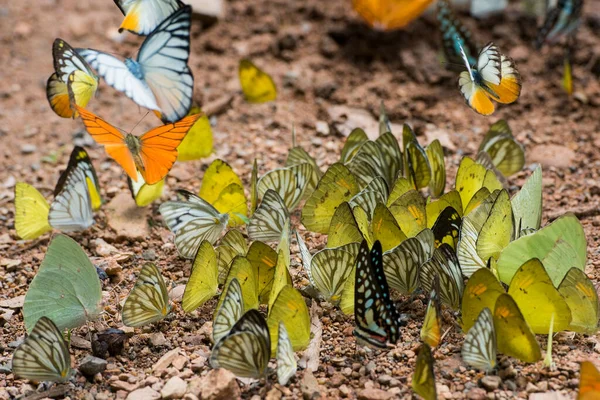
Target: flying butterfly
{"x":152,"y":154}
{"x":246,"y":349}
{"x":44,"y":355}
{"x":192,"y":220}
{"x":561,"y":20}
{"x":423,"y":381}
{"x":148,"y":301}
{"x":73,"y":71}
{"x":455,"y":35}
{"x":143,"y":16}
{"x":390,"y":14}
{"x":257,"y":85}
{"x":494,"y":76}
{"x":376,"y":317}
{"x":479,"y":348}
{"x":159,"y":78}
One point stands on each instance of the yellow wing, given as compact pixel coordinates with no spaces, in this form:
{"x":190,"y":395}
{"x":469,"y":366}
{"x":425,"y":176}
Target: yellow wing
{"x":203,"y":282}
{"x":31,"y":212}
{"x":257,"y":85}
{"x":589,"y":382}
{"x":198,"y":142}
{"x":290,"y":308}
{"x":390,"y":14}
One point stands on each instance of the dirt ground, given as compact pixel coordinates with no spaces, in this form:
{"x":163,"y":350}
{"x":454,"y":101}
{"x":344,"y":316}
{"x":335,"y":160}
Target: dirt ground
{"x":324,"y":62}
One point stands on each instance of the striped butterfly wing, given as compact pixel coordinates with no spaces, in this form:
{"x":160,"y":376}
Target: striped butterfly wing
{"x":71,"y":209}
{"x":148,"y":301}
{"x":455,"y":35}
{"x":192,"y":221}
{"x":562,"y":19}
{"x":330,"y":268}
{"x":246,"y":350}
{"x":286,"y":361}
{"x":163,"y":63}
{"x":80,"y":159}
{"x":290,"y":183}
{"x":44,"y":355}
{"x":230,"y":311}
{"x":143,"y":16}
{"x":375,"y":315}
{"x":269,"y":219}
{"x":479,"y":348}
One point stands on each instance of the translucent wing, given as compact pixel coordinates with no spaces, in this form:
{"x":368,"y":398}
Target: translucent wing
{"x":246,"y":350}
{"x":230,"y":311}
{"x":143,"y":16}
{"x":423,"y":382}
{"x":375,"y":315}
{"x":431,"y":331}
{"x":489,"y":64}
{"x":148,"y":301}
{"x":479,"y":348}
{"x":192,"y":221}
{"x":44,"y":355}
{"x":269,"y":219}
{"x":290,"y":183}
{"x":31,"y":212}
{"x":286,"y":361}
{"x":444,"y":264}
{"x":402,"y":264}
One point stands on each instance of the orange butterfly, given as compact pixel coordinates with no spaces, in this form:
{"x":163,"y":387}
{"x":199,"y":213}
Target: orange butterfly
{"x":390,"y":14}
{"x":589,"y":382}
{"x":153,"y":153}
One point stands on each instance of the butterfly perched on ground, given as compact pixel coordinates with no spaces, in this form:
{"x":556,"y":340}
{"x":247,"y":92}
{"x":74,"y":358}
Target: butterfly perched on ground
{"x":423,"y":381}
{"x":70,"y":69}
{"x":257,"y":85}
{"x":390,"y":14}
{"x":152,"y":154}
{"x":454,"y":35}
{"x":479,"y":348}
{"x":143,"y":16}
{"x":589,"y":381}
{"x":376,"y":317}
{"x":76,"y":195}
{"x":148,"y":301}
{"x":493,"y":77}
{"x":159,"y":78}
{"x":44,"y":355}
{"x":561,"y":20}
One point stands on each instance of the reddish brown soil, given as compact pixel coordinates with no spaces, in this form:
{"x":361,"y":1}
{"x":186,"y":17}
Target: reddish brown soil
{"x":320,"y":55}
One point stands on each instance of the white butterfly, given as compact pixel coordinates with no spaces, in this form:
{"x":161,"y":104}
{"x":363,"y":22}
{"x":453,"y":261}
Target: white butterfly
{"x":148,"y":301}
{"x":142,"y":16}
{"x":479,"y":348}
{"x":286,"y":361}
{"x":159,"y":79}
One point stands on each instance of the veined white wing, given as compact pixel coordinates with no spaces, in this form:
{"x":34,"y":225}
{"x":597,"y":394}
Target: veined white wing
{"x":479,"y":348}
{"x":193,"y":221}
{"x":143,"y":16}
{"x":230,"y":311}
{"x":71,"y":209}
{"x":67,"y":60}
{"x":286,"y":361}
{"x":117,"y":75}
{"x":148,"y":301}
{"x":488,"y":64}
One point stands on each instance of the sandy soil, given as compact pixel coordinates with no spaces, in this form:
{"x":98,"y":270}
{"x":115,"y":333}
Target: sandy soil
{"x":323,"y":59}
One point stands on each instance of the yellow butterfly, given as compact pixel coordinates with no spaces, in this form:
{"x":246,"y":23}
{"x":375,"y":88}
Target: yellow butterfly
{"x":223,"y":189}
{"x":143,"y":193}
{"x":431,"y":331}
{"x":203,"y":282}
{"x":423,"y":381}
{"x":589,"y":382}
{"x":257,"y":85}
{"x":198,"y":142}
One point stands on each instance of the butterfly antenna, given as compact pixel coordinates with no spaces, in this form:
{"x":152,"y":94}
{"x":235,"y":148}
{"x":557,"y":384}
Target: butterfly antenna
{"x":293,"y":135}
{"x":135,"y":126}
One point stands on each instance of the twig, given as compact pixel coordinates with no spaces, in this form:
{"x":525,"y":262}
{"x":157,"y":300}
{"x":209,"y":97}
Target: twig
{"x":580,"y":212}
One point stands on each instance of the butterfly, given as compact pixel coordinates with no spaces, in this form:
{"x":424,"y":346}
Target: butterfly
{"x":343,"y":228}
{"x":470,"y":178}
{"x":506,"y":153}
{"x":435,"y":156}
{"x":479,"y":347}
{"x":269,"y":219}
{"x":230,"y":310}
{"x":447,"y":227}
{"x":561,"y":20}
{"x":581,"y":296}
{"x":443,"y":264}
{"x":376,"y":317}
{"x":198,"y":143}
{"x":233,"y":244}
{"x":143,"y":16}
{"x":223,"y":188}
{"x":290,"y":309}
{"x":203,"y":282}
{"x":423,"y":381}
{"x":328,"y":269}
{"x":70,"y":70}
{"x":192,"y":220}
{"x":246,"y":349}
{"x":143,"y":193}
{"x":159,"y":79}
{"x":290,"y":183}
{"x":390,"y":14}
{"x":66,"y":287}
{"x":494,"y":76}
{"x":148,"y":301}
{"x":286,"y":361}
{"x":497,"y":230}
{"x":44,"y":355}
{"x":77,"y":193}
{"x":431,"y":331}
{"x":589,"y":381}
{"x":257,"y":85}
{"x":417,"y":166}
{"x":454,"y":35}
{"x":152,"y":154}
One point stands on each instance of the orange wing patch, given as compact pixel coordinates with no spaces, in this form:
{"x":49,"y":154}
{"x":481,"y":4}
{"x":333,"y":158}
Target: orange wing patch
{"x":481,"y":103}
{"x":58,"y":97}
{"x":131,"y":21}
{"x":589,"y":382}
{"x":390,"y":14}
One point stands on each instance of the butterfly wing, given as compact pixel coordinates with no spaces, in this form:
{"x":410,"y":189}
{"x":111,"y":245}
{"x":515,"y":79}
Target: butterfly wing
{"x":286,"y":361}
{"x":163,"y":60}
{"x":423,"y":382}
{"x":117,"y":75}
{"x":112,"y":140}
{"x":31,"y":212}
{"x":44,"y":355}
{"x":475,"y":96}
{"x":509,"y":88}
{"x":589,"y":381}
{"x":58,"y":97}
{"x":158,"y":149}
{"x":479,"y":348}
{"x":230,"y":311}
{"x":71,"y":209}
{"x":269,"y":219}
{"x":148,"y":301}
{"x":142,"y":17}
{"x":258,"y":86}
